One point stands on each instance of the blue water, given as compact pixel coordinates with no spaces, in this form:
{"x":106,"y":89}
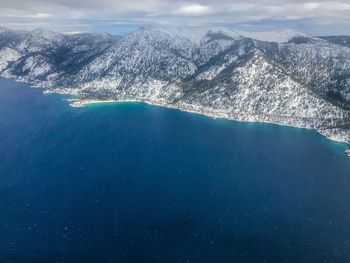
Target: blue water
{"x":137,"y":183}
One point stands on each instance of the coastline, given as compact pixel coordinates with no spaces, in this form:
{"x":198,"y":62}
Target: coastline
{"x":215,"y":114}
{"x":77,"y":103}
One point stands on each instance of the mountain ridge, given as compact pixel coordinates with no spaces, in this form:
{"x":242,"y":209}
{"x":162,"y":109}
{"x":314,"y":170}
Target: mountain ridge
{"x":302,"y":81}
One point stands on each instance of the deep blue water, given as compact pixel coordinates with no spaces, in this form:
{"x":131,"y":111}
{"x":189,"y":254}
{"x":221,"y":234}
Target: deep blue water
{"x":137,"y":183}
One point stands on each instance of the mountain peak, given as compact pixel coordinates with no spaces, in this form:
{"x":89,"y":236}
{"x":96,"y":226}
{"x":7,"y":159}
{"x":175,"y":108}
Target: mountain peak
{"x":46,"y":34}
{"x":279,"y":36}
{"x":194,"y":34}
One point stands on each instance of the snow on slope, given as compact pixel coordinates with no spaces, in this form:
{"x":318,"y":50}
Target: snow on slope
{"x":8,"y":55}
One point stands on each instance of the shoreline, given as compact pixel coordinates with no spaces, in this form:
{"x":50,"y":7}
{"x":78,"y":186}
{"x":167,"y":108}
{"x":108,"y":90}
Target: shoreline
{"x":76,"y":103}
{"x":79,"y":103}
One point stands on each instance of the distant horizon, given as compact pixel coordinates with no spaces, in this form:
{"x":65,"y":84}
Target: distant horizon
{"x":126,"y":32}
{"x":318,"y":18}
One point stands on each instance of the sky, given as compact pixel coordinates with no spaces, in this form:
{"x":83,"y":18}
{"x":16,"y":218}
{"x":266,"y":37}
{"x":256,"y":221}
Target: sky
{"x":322,"y":17}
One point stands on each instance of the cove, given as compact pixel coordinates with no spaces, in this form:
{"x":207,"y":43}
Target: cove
{"x":130,"y":182}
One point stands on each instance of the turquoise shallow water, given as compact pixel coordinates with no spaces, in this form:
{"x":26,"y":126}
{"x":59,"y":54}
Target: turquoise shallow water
{"x":136,"y":183}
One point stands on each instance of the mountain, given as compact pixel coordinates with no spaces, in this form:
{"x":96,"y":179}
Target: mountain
{"x":278,"y":36}
{"x":283,"y":77}
{"x":339,"y":40}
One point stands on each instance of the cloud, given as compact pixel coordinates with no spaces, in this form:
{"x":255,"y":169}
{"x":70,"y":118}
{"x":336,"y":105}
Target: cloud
{"x":310,"y":6}
{"x":193,"y":10}
{"x":41,"y":15}
{"x":112,"y":15}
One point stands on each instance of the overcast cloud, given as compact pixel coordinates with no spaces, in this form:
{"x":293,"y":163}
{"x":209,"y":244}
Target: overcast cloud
{"x":117,"y":16}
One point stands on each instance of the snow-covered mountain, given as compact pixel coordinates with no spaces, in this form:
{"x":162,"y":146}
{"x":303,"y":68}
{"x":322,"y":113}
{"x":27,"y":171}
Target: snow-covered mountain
{"x":278,"y":36}
{"x":283,"y":77}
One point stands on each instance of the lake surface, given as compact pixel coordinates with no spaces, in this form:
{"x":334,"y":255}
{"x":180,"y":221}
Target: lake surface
{"x":136,"y":183}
